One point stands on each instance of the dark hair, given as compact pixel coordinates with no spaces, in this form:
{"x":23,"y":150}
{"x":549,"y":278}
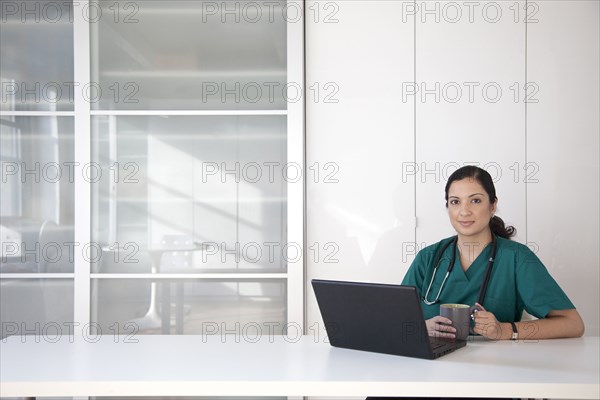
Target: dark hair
{"x":483,"y":177}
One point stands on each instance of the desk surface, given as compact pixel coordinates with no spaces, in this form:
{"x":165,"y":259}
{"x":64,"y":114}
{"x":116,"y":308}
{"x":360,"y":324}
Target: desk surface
{"x":279,"y":366}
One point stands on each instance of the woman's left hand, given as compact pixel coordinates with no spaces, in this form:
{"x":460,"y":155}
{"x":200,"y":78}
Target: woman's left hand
{"x":486,"y":324}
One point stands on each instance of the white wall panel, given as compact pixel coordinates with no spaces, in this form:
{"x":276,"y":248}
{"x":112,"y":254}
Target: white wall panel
{"x":562,"y":141}
{"x":383,"y":152}
{"x":359,"y":212}
{"x":470,"y":72}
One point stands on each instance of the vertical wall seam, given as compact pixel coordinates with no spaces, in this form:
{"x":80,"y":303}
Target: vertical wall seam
{"x":415,"y":121}
{"x":526,"y":139}
{"x":305,"y":191}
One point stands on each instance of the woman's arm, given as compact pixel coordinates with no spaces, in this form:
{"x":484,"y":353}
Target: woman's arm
{"x":557,"y":324}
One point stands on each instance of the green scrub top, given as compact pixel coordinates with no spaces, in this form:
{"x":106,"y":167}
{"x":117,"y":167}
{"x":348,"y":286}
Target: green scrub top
{"x":519,"y":281}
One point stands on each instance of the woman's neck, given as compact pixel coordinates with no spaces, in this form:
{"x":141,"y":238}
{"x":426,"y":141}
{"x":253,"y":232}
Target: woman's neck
{"x":470,"y":247}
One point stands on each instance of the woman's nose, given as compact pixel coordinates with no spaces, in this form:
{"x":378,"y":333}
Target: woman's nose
{"x":464,"y":210}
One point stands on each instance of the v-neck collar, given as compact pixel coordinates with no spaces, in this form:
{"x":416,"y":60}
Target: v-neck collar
{"x":478,"y":264}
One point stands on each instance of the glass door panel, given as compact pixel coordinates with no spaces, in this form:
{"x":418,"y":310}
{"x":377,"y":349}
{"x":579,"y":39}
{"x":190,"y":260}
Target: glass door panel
{"x":207,"y":55}
{"x":42,"y":307}
{"x":191,"y":306}
{"x":37,"y":194}
{"x":206,"y":192}
{"x":36,"y":67}
{"x":190,"y":131}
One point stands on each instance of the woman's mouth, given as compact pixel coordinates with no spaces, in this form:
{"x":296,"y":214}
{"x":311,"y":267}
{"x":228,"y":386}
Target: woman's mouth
{"x":466,"y":223}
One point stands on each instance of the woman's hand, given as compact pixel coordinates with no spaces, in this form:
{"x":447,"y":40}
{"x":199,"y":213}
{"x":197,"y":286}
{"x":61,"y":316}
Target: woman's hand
{"x":439,"y":326}
{"x":486,"y":324}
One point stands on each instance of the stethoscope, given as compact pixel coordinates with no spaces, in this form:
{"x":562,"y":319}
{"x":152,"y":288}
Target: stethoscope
{"x":486,"y":277}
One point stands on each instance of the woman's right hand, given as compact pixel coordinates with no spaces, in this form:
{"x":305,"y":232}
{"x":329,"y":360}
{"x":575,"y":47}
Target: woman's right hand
{"x":439,"y":326}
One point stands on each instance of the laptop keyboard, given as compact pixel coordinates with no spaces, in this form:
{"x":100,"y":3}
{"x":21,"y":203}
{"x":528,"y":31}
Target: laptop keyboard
{"x":437,"y":343}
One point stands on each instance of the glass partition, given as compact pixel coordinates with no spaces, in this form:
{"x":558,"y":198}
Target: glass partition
{"x":36,"y":67}
{"x":42,"y":307}
{"x":37,"y":194}
{"x":207,"y":55}
{"x":191,"y":306}
{"x":200,"y":193}
{"x":189,"y":134}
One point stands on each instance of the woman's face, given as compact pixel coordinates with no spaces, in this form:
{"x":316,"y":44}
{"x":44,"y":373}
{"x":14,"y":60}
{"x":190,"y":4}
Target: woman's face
{"x":469,"y":207}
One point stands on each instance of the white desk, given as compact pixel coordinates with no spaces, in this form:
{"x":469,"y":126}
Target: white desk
{"x":197,"y":365}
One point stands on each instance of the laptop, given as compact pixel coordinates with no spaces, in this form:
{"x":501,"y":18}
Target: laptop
{"x":379,"y":318}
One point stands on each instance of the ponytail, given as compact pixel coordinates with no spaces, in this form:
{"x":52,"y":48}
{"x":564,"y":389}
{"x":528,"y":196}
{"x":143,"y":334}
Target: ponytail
{"x":498,"y":228}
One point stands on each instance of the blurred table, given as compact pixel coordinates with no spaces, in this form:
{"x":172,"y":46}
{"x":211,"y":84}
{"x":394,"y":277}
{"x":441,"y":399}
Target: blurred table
{"x":152,"y":319}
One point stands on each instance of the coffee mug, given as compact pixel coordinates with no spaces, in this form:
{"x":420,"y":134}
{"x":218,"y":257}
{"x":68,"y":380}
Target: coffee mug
{"x":460,"y":315}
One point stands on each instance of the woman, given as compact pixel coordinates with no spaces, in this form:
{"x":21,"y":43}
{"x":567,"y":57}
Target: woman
{"x":518,"y":280}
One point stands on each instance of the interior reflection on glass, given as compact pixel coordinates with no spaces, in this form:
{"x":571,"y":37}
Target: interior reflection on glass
{"x":188,"y":306}
{"x":190,"y":194}
{"x":42,"y":307}
{"x":37,"y":194}
{"x":210,"y":60}
{"x":36,"y":67}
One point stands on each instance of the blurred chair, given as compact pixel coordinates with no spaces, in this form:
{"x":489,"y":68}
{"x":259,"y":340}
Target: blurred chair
{"x":55,"y":250}
{"x":20,"y":245}
{"x":21,"y":306}
{"x":32,"y":303}
{"x":121,"y":301}
{"x":177,"y":257}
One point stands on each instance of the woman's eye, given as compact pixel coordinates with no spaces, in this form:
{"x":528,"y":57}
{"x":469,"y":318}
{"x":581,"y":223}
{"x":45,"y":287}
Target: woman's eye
{"x":454,"y":202}
{"x":477,"y":201}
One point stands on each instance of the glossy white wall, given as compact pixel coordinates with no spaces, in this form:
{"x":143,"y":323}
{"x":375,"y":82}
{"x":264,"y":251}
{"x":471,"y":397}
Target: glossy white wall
{"x":470,"y":64}
{"x":563,"y":127}
{"x":358,"y":211}
{"x":391,"y":146}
